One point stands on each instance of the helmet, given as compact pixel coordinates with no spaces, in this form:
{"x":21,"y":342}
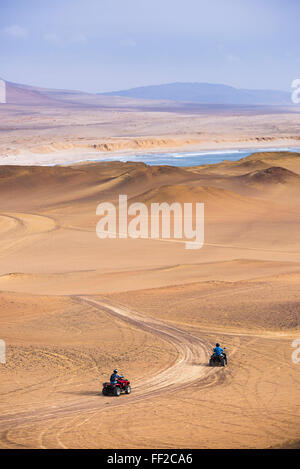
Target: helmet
{"x":217,"y":345}
{"x":115,"y":371}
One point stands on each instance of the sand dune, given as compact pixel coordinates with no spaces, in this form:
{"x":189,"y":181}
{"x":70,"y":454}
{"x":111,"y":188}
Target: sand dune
{"x":215,"y":200}
{"x":49,"y":185}
{"x":73,"y":307}
{"x":272,"y":175}
{"x":256,"y":161}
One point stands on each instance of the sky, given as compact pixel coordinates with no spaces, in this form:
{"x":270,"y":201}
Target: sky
{"x":108,"y":45}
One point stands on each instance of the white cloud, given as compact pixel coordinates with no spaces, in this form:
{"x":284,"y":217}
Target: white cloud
{"x":128,"y":43}
{"x":78,"y":39}
{"x":52,"y":38}
{"x":227,"y":55}
{"x":232,"y":58}
{"x":56,"y":40}
{"x":15,"y":31}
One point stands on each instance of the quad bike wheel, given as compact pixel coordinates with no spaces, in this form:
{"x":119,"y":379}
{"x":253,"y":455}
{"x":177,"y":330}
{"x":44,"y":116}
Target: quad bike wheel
{"x":104,"y":392}
{"x":222,"y":361}
{"x":128,"y":389}
{"x":117,"y":391}
{"x":211,"y":362}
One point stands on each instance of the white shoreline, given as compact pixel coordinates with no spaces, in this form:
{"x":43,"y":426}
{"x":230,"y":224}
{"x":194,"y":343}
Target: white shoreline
{"x":77,"y":156}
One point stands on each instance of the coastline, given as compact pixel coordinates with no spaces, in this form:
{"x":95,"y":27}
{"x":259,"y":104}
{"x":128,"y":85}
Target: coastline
{"x":84,"y":154}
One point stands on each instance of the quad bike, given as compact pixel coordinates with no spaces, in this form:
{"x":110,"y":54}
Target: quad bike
{"x":115,"y":389}
{"x":218,"y":360}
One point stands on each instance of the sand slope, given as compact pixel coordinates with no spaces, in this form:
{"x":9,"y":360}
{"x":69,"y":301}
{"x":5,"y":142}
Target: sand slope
{"x":72,"y":307}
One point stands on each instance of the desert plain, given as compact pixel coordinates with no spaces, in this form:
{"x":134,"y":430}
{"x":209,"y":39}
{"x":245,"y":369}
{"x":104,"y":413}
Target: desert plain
{"x":73,"y":306}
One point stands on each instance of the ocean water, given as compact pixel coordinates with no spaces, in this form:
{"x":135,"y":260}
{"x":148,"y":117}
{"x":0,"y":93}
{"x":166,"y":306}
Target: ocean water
{"x":196,"y":158}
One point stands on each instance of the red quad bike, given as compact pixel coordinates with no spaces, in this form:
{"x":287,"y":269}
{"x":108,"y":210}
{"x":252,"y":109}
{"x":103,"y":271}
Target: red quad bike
{"x":218,"y":360}
{"x":122,"y":385}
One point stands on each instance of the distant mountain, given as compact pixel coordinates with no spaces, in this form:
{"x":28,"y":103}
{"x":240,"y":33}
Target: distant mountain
{"x":197,"y":93}
{"x":206,"y":93}
{"x":17,"y":93}
{"x":27,"y":95}
{"x":23,"y":94}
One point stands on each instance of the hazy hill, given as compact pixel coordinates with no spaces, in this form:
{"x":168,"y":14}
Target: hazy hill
{"x":198,"y":93}
{"x":206,"y":93}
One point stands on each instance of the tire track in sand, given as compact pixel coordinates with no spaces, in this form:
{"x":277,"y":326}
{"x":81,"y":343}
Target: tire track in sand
{"x":190,"y":367}
{"x":27,"y":226}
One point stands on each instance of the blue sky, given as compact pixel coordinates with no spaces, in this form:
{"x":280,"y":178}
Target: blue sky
{"x":105,"y":45}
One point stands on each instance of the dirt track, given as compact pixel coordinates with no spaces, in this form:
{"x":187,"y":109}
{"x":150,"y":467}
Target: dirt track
{"x":190,"y":367}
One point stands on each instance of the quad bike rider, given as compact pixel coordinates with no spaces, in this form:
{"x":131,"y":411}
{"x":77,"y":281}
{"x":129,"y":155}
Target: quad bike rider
{"x":116,"y":385}
{"x":114,"y":377}
{"x":219,"y":356}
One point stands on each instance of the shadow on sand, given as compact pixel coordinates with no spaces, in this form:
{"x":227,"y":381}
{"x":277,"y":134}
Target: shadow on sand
{"x":83,"y":393}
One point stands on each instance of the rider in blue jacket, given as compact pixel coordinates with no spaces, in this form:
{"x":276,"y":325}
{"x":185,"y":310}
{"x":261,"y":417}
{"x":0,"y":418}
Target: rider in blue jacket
{"x":114,"y":377}
{"x":218,"y":350}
